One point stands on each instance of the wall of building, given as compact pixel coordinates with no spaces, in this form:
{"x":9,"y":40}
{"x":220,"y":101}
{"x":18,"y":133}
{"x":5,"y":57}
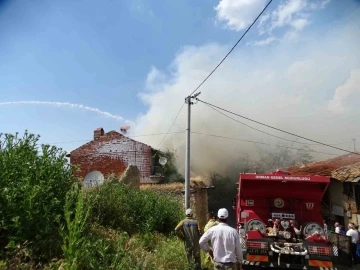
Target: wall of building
{"x":113,"y":153}
{"x":336,"y":203}
{"x":346,"y":203}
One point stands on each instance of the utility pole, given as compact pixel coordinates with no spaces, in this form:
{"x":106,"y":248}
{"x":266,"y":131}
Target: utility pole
{"x":188,"y":101}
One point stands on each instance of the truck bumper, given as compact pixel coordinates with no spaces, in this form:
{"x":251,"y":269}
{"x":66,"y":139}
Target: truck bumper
{"x":261,"y":265}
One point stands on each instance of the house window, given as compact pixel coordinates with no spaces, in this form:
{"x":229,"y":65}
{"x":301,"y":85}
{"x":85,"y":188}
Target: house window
{"x":348,"y":189}
{"x":156,"y":168}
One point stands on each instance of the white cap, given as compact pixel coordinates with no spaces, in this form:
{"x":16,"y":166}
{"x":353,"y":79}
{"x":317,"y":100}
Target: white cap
{"x":223,"y":213}
{"x":188,"y":212}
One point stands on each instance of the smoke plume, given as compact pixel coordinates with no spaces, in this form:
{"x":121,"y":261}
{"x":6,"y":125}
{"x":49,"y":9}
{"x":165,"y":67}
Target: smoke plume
{"x":290,"y":84}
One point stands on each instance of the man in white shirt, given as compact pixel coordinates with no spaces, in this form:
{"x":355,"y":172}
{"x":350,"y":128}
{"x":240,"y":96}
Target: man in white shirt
{"x":337,"y":228}
{"x":354,"y":240}
{"x":226,"y":250}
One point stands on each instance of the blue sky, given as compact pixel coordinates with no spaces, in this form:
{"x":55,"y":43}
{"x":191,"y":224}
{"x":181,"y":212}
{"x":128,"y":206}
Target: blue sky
{"x":124,"y":57}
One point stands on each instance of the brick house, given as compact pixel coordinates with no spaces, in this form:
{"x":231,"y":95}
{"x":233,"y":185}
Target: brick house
{"x":112,"y":153}
{"x":341,"y":202}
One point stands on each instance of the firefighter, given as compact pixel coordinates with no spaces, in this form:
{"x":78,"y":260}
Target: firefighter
{"x":188,"y":231}
{"x":211,"y":222}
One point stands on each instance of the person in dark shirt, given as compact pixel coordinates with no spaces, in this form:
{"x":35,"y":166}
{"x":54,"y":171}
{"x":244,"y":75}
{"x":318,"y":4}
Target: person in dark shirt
{"x":188,"y":231}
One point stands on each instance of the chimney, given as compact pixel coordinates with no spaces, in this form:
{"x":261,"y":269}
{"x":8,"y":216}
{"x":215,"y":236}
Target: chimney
{"x":124,"y":129}
{"x":98,"y":133}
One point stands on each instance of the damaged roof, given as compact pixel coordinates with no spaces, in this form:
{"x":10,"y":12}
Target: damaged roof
{"x":115,"y":137}
{"x":342,"y":168}
{"x":347,"y":173}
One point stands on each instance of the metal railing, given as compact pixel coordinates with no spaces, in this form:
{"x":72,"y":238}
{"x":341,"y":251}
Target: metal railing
{"x":341,"y":248}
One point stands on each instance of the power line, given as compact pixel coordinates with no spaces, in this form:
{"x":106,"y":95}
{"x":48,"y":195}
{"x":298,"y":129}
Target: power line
{"x":210,"y":135}
{"x":255,"y":142}
{"x":272,"y":135}
{"x":169,"y":128}
{"x":278,"y":129}
{"x":134,"y":136}
{"x":197,"y":88}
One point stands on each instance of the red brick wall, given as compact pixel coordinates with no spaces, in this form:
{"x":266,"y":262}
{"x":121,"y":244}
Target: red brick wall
{"x":113,"y":153}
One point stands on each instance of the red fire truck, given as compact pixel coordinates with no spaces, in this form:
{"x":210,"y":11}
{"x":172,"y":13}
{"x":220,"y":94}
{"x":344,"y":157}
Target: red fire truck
{"x":279,"y":218}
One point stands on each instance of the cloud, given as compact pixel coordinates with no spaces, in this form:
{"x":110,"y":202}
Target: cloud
{"x":344,"y":92}
{"x":299,"y":24}
{"x":68,"y":105}
{"x":287,"y":86}
{"x":292,"y":15}
{"x":238,"y":14}
{"x":286,"y":12}
{"x":263,"y":42}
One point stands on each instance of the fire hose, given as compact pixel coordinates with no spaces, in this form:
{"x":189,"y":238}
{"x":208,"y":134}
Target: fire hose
{"x":286,"y":250}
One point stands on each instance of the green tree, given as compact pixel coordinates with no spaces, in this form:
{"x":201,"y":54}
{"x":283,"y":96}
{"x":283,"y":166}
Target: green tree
{"x":34,"y":181}
{"x":169,"y":170}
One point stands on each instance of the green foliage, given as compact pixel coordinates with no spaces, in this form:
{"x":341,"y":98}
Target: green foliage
{"x":134,"y":211}
{"x":169,"y":170}
{"x":96,"y":252}
{"x":76,"y":211}
{"x":32,"y":197}
{"x":157,"y":252}
{"x":45,"y":216}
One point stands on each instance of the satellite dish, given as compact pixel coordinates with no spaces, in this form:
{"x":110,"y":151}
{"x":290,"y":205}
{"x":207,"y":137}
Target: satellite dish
{"x":162,"y":161}
{"x":93,"y":179}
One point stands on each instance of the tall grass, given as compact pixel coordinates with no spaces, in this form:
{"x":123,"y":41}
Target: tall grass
{"x":76,"y":212}
{"x":133,"y":211}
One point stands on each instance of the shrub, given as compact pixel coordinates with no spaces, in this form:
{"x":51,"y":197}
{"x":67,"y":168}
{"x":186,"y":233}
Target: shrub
{"x":76,"y":211}
{"x":96,"y":252}
{"x":126,"y":209}
{"x":32,"y":196}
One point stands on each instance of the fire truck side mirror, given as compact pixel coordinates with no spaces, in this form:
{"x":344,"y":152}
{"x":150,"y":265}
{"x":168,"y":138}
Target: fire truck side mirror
{"x":233,"y":203}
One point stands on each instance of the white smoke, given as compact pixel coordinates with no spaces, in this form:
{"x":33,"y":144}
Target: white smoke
{"x":287,"y":85}
{"x":68,"y":105}
{"x":344,"y":92}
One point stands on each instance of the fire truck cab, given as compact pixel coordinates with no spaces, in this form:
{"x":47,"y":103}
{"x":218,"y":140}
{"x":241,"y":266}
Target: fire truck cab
{"x":279,"y":218}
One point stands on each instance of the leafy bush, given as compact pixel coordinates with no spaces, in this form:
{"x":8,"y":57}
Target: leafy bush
{"x":96,"y":252}
{"x":169,"y":170}
{"x":32,"y":197}
{"x":133,"y":211}
{"x":76,"y":211}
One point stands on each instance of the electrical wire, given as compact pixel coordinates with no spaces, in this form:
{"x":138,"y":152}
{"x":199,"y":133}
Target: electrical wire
{"x":169,"y":128}
{"x":272,"y":135}
{"x":218,"y":65}
{"x":211,"y":135}
{"x":135,"y":136}
{"x":278,"y":129}
{"x":255,"y":142}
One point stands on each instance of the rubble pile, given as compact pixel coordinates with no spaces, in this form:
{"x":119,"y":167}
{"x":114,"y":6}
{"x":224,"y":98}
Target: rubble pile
{"x":347,"y":173}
